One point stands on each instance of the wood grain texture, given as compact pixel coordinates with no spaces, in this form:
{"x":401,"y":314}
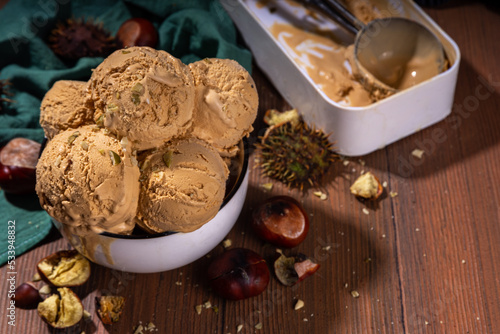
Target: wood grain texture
{"x":425,"y":261}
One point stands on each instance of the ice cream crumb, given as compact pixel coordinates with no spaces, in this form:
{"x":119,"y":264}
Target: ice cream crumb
{"x":393,"y":194}
{"x":327,"y":248}
{"x":139,"y":329}
{"x":178,"y":283}
{"x":463,"y":261}
{"x":267,"y":186}
{"x":417,"y":229}
{"x":362,"y":162}
{"x":417,"y":153}
{"x":207,"y":304}
{"x":299,"y":304}
{"x":384,"y":184}
{"x":346,"y":162}
{"x":198,"y":308}
{"x":86,"y":315}
{"x":321,"y":195}
{"x":45,"y":290}
{"x":227,"y":243}
{"x":355,"y":294}
{"x":239,"y":328}
{"x":305,"y":319}
{"x":365,"y":211}
{"x":258,"y":326}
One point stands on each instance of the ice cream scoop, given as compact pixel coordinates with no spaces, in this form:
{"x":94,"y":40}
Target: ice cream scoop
{"x":226,"y":103}
{"x":182,"y":186}
{"x":65,"y":106}
{"x":391,"y":53}
{"x":89,"y":181}
{"x":144,"y":94}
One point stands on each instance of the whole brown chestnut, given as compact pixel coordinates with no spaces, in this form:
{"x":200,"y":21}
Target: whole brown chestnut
{"x":238,"y":273}
{"x":281,"y":220}
{"x":137,"y":32}
{"x":17,"y":166}
{"x":26,"y":296}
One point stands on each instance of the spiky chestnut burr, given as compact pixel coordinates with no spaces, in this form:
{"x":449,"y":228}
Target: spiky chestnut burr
{"x":77,"y":38}
{"x":4,"y":93}
{"x":296,"y":155}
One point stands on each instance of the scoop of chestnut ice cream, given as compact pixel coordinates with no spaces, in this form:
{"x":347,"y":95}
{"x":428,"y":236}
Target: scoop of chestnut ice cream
{"x":65,"y":106}
{"x":182,"y":187}
{"x":89,"y":181}
{"x":144,"y":94}
{"x":226,"y":103}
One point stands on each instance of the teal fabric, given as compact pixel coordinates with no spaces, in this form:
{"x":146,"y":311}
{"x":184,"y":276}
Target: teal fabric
{"x":188,"y":29}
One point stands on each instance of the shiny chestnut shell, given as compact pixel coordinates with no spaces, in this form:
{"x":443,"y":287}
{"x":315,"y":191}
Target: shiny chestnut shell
{"x":281,"y":220}
{"x":17,"y":166}
{"x":137,"y":32}
{"x":26,"y":296}
{"x":238,"y":273}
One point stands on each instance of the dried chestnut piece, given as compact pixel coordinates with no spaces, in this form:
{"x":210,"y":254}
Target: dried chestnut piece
{"x":61,"y":310}
{"x":291,"y":270}
{"x":26,"y":296}
{"x":110,"y":308}
{"x":367,"y":186}
{"x":64,"y":268}
{"x":137,"y":32}
{"x":17,"y":166}
{"x":238,"y":273}
{"x":281,"y":220}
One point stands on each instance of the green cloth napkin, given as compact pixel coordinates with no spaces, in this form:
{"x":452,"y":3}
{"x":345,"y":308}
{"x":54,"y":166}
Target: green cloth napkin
{"x":188,"y":29}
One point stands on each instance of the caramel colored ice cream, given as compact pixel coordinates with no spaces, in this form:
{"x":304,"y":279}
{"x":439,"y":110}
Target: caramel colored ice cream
{"x":227,"y":103}
{"x":144,"y":94}
{"x":65,"y":107}
{"x":89,"y":180}
{"x":182,"y":187}
{"x":183,"y":123}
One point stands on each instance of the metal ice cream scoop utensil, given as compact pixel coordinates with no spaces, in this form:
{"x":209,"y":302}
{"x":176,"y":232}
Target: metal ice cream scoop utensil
{"x":391,"y":53}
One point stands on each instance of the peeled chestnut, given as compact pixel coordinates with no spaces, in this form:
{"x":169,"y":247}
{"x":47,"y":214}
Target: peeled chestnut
{"x":17,"y":166}
{"x":61,"y":310}
{"x":26,"y":296}
{"x":238,"y":273}
{"x":64,"y":268}
{"x":281,"y":220}
{"x":137,"y":32}
{"x":292,"y":270}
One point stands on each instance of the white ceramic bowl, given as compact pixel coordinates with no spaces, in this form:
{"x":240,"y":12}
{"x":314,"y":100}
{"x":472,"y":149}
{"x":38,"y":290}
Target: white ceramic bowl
{"x":354,"y":130}
{"x":166,"y":251}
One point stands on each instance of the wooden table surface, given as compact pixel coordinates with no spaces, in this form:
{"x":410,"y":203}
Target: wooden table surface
{"x":425,"y":261}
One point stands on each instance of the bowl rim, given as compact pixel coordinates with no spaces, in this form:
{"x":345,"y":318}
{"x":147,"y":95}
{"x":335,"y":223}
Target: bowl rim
{"x":246,"y":154}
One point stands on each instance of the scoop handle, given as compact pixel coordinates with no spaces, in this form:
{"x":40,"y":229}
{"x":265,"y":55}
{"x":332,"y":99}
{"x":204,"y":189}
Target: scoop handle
{"x":337,"y":12}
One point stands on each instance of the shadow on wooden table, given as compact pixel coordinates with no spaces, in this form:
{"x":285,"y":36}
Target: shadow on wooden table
{"x":467,"y":131}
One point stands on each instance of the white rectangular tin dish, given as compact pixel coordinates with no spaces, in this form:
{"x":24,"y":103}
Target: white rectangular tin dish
{"x":355,"y":130}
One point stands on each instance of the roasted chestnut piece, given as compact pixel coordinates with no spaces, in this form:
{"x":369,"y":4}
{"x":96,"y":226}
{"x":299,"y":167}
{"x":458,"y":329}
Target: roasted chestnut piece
{"x":281,"y":220}
{"x":26,"y":296}
{"x":367,"y":186}
{"x":238,"y":273}
{"x":64,"y":268}
{"x":137,"y":32}
{"x":110,"y":308}
{"x":291,"y":270}
{"x":17,"y":166}
{"x":61,"y":310}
